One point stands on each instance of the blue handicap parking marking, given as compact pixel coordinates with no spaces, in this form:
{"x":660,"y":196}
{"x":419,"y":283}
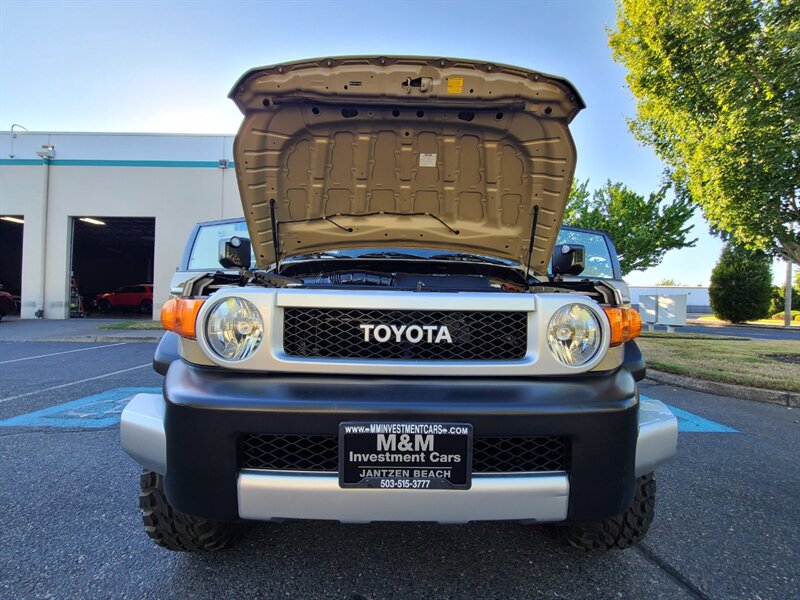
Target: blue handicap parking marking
{"x":92,"y":412}
{"x":691,"y":423}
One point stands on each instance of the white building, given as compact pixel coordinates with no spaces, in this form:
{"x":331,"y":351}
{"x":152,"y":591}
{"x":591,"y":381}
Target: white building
{"x":149,"y":190}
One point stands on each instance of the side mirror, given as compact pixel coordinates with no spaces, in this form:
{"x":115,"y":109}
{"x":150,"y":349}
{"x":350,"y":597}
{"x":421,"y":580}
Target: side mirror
{"x":569,"y":259}
{"x":234,"y":253}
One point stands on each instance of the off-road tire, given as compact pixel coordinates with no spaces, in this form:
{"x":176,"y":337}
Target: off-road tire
{"x":174,"y":530}
{"x":618,"y":532}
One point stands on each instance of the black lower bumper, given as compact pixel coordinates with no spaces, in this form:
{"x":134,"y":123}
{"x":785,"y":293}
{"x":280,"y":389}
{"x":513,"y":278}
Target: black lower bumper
{"x":208,"y":411}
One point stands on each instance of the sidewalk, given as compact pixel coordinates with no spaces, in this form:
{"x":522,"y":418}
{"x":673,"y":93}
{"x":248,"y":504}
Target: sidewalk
{"x":14,"y":329}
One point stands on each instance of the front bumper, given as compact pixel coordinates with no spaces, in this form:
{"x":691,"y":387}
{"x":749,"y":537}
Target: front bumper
{"x":318,"y":496}
{"x":191,"y":435}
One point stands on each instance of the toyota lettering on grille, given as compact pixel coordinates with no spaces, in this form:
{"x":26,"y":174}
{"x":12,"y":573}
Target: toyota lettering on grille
{"x":432,"y":334}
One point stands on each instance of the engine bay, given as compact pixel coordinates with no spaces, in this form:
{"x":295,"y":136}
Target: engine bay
{"x":400,"y":275}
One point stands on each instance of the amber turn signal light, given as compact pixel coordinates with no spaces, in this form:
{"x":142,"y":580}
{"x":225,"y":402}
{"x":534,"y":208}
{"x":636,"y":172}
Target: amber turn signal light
{"x":626,"y":324}
{"x":180,"y":316}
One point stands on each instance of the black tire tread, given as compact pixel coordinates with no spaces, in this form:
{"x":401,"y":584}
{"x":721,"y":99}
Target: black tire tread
{"x":618,"y":532}
{"x":174,"y":530}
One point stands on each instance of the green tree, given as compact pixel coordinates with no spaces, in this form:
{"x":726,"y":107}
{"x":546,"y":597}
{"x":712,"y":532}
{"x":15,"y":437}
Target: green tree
{"x":667,"y":282}
{"x":778,"y":299}
{"x":717,"y":87}
{"x":643,"y":229}
{"x":741,"y":285}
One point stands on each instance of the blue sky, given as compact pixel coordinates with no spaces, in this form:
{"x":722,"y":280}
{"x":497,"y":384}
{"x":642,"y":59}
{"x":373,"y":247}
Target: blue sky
{"x":168,"y":66}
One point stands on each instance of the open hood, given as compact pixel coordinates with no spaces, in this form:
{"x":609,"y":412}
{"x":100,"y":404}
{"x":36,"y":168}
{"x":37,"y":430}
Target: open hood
{"x":451,"y":154}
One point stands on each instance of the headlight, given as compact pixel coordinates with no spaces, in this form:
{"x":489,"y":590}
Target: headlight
{"x":234,"y":328}
{"x":574,"y":335}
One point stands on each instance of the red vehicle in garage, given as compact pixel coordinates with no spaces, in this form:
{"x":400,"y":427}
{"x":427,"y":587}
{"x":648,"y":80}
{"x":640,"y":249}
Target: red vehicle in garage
{"x":7,"y":304}
{"x":138,"y":297}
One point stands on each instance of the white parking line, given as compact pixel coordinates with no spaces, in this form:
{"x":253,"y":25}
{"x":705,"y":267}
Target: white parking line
{"x":5,"y":362}
{"x":63,"y":385}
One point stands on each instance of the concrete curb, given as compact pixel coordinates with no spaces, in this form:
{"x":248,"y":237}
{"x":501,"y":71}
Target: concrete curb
{"x":744,"y":392}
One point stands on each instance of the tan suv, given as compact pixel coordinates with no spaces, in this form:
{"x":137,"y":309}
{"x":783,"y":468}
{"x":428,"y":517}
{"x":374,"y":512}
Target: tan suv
{"x":418,"y":339}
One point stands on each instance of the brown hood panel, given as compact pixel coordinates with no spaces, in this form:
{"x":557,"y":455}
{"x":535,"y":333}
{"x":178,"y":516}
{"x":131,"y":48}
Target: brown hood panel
{"x":404,"y":153}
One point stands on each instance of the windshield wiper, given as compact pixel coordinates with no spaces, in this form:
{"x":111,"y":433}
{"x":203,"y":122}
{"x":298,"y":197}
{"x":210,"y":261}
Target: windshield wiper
{"x":470,"y":258}
{"x":316,"y":255}
{"x":391,"y":254}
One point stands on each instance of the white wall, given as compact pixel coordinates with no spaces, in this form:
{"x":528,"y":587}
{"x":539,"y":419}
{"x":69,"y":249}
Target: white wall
{"x":175,"y":179}
{"x":21,"y":194}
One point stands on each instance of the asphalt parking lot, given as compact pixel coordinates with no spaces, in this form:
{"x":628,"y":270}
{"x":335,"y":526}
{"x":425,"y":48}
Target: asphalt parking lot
{"x":726,"y":527}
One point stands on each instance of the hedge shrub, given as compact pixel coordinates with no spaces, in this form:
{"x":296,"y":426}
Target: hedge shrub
{"x":741,"y":285}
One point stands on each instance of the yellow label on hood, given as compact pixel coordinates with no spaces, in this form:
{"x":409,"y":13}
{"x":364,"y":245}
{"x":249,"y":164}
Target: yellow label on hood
{"x":455,"y":85}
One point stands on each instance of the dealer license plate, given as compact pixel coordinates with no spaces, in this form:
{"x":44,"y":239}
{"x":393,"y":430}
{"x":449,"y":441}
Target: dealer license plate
{"x":400,"y":455}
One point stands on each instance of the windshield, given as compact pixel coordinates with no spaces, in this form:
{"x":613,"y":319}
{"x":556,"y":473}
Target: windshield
{"x":598,"y":255}
{"x":204,"y":255}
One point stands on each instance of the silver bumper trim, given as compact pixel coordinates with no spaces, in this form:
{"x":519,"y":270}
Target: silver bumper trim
{"x":658,"y":436}
{"x":271,"y":495}
{"x":141,"y":431}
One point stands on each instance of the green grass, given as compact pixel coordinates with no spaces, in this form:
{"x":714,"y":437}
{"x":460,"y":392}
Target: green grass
{"x":780,"y":316}
{"x":725,"y":360}
{"x":146,"y":325}
{"x":777,"y":322}
{"x":692,"y":336}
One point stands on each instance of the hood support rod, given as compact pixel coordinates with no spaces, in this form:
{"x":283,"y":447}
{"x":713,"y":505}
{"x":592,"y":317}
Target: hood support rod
{"x":534,"y":223}
{"x":276,"y":245}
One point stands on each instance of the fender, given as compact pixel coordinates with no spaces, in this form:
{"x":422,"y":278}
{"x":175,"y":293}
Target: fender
{"x":633,"y":361}
{"x":166,"y":353}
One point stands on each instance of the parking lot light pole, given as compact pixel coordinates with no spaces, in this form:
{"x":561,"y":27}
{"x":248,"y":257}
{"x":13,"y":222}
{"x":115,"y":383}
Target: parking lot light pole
{"x":787,"y":315}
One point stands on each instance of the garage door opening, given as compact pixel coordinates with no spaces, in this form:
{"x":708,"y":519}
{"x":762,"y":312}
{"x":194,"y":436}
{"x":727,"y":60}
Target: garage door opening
{"x":112,"y":267}
{"x":11,"y":231}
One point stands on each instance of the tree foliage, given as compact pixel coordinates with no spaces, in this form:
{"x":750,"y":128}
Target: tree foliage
{"x":717,"y":86}
{"x":778,"y":299}
{"x":643,"y":229}
{"x":741,"y":285}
